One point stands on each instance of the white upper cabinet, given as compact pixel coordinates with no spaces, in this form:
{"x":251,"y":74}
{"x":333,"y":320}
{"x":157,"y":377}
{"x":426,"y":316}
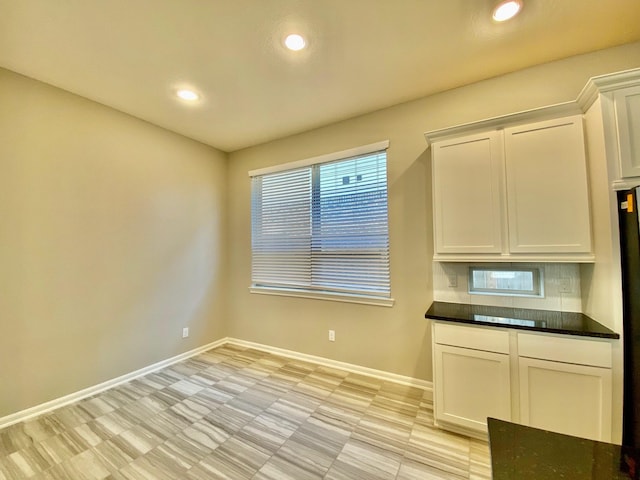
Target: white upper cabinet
{"x":515,"y":192}
{"x":627,"y":108}
{"x":615,"y":99}
{"x":547,"y":196}
{"x":469,"y":194}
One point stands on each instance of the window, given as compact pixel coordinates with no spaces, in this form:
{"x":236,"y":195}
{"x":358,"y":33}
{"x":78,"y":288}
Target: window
{"x":319,"y":227}
{"x":524,"y":282}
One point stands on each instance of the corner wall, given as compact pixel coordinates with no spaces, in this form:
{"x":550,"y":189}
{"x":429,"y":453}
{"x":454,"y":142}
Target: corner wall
{"x":111,"y":241}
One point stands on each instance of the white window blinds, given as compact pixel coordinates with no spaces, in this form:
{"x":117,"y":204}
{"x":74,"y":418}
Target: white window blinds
{"x":323,"y":227}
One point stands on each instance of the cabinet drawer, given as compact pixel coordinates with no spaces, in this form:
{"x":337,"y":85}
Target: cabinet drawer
{"x":489,"y":340}
{"x":569,"y":350}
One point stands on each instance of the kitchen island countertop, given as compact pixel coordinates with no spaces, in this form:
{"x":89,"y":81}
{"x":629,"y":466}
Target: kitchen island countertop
{"x":526,"y":453}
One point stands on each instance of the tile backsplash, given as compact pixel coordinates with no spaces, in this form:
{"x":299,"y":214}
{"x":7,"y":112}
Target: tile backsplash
{"x":553,"y":274}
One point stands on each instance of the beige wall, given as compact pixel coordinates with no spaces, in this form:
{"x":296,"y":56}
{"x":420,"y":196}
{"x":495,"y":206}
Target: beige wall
{"x":111,"y":240}
{"x":394,"y":339}
{"x":112,"y":234}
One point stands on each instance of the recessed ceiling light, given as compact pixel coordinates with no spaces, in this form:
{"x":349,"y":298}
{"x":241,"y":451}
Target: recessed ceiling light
{"x":186,"y":94}
{"x":507,"y":10}
{"x":295,"y":42}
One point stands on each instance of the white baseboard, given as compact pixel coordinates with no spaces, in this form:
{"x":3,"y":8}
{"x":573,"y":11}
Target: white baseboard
{"x":327,"y":362}
{"x":46,"y":407}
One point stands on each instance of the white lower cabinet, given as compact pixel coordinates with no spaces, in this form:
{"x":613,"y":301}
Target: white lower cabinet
{"x":541,"y":380}
{"x":472,"y":379}
{"x":565,"y":385}
{"x":463,"y":398}
{"x":566,"y":398}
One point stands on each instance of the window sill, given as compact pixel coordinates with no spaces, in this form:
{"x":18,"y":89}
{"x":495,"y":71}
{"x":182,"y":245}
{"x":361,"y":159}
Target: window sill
{"x":336,"y":297}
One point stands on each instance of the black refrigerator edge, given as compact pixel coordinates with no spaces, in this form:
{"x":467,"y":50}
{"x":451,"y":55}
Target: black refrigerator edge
{"x":629,"y":221}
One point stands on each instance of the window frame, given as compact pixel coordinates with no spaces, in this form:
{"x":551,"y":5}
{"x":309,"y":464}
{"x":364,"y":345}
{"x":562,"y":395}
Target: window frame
{"x":323,"y":293}
{"x":536,"y":292}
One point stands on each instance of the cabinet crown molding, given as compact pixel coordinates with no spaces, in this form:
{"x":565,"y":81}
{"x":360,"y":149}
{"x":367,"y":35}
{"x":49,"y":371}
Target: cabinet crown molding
{"x":606,"y":83}
{"x":513,"y":119}
{"x":595,"y":86}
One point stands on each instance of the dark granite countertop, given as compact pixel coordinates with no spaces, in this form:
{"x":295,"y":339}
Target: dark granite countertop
{"x":549,"y":321}
{"x":526,"y":453}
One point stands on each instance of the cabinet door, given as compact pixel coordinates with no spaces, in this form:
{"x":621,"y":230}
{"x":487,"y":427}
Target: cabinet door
{"x":547,"y":197}
{"x":467,"y":194}
{"x":566,"y":398}
{"x":470,"y":385}
{"x":627,"y":106}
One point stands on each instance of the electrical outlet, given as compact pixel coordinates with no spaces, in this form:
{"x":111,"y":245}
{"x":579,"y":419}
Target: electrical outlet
{"x":452,"y":279}
{"x":332,"y":335}
{"x":564,"y":285}
{"x":185,"y":332}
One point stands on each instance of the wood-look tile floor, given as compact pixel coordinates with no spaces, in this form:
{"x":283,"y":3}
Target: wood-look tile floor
{"x":237,"y":413}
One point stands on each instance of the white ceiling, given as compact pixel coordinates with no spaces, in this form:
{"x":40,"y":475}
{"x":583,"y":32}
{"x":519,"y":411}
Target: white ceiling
{"x":363,"y":55}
